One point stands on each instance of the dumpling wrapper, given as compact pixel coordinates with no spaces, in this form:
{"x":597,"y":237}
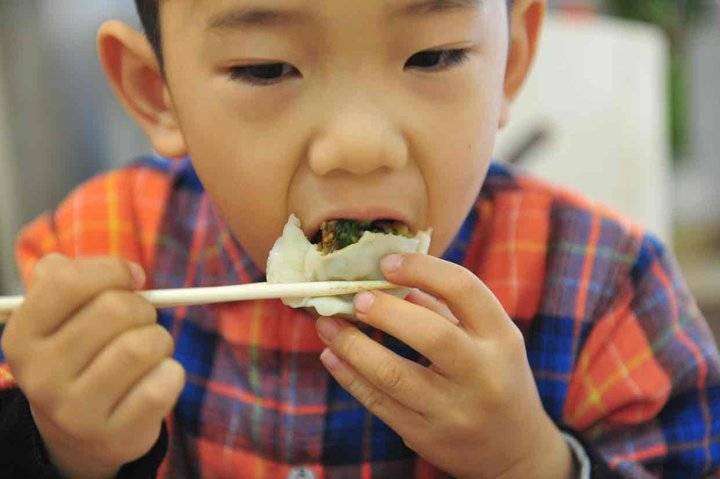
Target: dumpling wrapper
{"x":293,"y":259}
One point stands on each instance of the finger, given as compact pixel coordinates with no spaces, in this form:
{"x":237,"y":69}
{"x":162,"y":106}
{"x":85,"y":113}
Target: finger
{"x":468,"y":298}
{"x":60,"y":286}
{"x":122,"y":364}
{"x":105,"y":318}
{"x":440,"y":341}
{"x":406,"y":382}
{"x":421,"y":298}
{"x":402,"y":420}
{"x":150,"y":399}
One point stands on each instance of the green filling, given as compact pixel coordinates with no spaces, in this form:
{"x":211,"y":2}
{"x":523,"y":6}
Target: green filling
{"x":339,"y":234}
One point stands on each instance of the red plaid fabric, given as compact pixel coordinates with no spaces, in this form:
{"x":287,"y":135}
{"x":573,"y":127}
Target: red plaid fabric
{"x":616,"y":343}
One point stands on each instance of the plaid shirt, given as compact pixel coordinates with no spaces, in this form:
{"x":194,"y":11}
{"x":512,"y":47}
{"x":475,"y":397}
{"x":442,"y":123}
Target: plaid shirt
{"x":616,"y":343}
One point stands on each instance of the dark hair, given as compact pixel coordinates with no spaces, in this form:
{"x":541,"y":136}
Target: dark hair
{"x":150,"y":18}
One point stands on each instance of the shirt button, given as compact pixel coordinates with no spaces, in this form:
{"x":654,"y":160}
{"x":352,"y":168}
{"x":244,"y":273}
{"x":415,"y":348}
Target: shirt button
{"x":301,"y":473}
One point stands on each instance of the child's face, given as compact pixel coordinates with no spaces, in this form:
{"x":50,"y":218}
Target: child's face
{"x":355,"y":116}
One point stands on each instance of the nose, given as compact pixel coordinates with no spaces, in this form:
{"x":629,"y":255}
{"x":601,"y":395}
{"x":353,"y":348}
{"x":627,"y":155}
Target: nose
{"x":358,"y":142}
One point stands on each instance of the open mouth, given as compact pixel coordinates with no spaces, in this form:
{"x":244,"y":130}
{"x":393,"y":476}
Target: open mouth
{"x":294,"y":259}
{"x":337,"y":234}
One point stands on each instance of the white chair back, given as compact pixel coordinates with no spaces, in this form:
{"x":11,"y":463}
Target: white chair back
{"x":597,"y":96}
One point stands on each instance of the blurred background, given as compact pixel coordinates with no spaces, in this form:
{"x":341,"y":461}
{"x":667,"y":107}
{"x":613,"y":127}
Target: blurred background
{"x":623,"y":105}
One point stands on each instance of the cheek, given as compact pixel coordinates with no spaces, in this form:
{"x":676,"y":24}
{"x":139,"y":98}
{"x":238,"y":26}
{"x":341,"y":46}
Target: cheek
{"x":250,"y":201}
{"x":246,"y":173}
{"x":457,"y":160}
{"x":452,"y":190}
{"x":245,"y":164}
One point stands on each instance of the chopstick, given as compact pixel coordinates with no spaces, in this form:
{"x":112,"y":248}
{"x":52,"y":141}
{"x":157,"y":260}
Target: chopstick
{"x":171,"y":298}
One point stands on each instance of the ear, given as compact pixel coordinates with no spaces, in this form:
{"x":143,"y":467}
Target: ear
{"x":135,"y":75}
{"x":526,"y":22}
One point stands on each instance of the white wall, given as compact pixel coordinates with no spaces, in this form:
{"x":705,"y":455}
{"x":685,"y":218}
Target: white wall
{"x":65,"y":124}
{"x":8,"y":199}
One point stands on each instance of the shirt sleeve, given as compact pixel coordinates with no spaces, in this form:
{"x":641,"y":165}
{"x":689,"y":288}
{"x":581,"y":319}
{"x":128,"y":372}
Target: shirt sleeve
{"x":645,"y":392}
{"x":23,"y":454}
{"x":589,"y":464}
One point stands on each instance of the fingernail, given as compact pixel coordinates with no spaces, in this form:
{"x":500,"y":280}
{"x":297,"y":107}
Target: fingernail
{"x":363,"y":302}
{"x":138,"y":275}
{"x":391,"y":263}
{"x":328,"y":328}
{"x":329,"y":359}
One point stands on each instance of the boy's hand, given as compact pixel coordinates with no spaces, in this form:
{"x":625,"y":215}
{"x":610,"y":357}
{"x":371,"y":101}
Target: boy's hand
{"x":93,"y":363}
{"x":476,"y":411}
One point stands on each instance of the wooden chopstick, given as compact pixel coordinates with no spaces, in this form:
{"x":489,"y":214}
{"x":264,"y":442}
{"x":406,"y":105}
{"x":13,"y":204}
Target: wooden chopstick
{"x":171,"y":298}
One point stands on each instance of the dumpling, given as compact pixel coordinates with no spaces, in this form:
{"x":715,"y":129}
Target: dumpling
{"x":293,"y":259}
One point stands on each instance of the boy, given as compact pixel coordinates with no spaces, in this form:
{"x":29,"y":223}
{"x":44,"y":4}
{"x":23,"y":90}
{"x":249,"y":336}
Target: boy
{"x":588,"y":357}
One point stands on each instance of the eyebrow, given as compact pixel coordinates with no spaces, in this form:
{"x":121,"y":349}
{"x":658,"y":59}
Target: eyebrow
{"x":260,"y":16}
{"x":422,"y":7}
{"x":254,"y":17}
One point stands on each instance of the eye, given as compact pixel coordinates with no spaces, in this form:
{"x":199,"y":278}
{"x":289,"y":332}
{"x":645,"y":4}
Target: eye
{"x":437,"y":59}
{"x":263,"y":74}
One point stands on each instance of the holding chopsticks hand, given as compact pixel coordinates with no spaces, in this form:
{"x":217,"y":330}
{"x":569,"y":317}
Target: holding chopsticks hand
{"x":476,"y":411}
{"x":95,"y":366}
